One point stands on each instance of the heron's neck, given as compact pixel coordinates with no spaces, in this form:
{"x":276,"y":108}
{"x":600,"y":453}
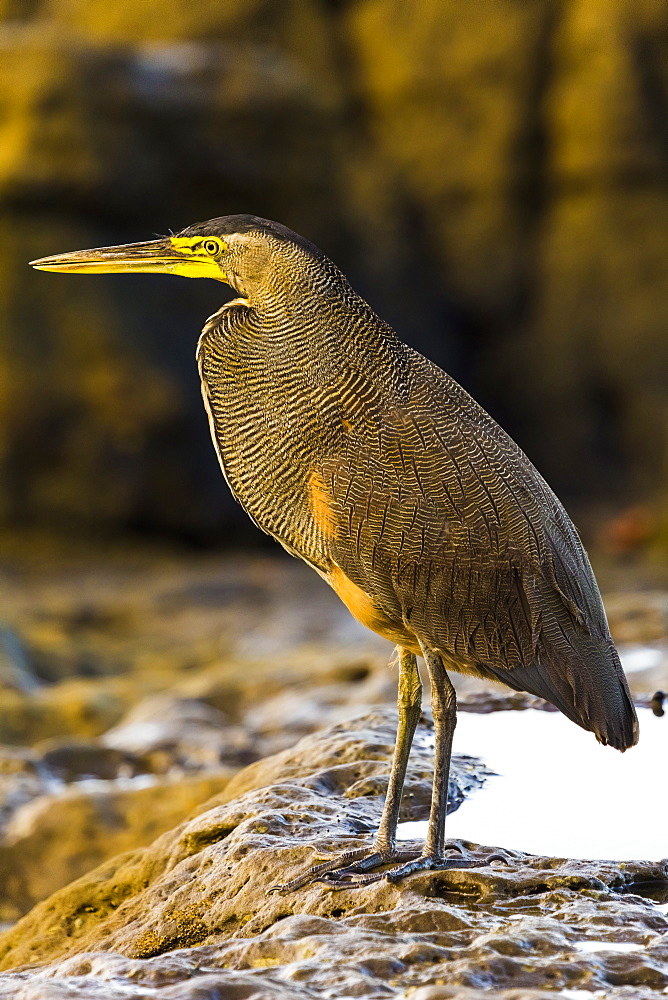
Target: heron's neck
{"x":317,"y":328}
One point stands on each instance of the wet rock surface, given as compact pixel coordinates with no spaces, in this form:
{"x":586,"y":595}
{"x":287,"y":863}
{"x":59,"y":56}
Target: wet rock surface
{"x":137,"y":685}
{"x":164,"y":697}
{"x":58,"y":835}
{"x":191,"y":914}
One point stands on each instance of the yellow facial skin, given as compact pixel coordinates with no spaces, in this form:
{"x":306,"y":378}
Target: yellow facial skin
{"x":189,"y":256}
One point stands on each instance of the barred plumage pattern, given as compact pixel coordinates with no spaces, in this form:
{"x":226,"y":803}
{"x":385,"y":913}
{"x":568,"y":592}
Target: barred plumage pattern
{"x":374,"y":466}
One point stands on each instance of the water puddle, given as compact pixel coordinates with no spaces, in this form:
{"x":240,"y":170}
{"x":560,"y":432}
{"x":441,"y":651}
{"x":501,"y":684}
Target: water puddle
{"x":557,"y":792}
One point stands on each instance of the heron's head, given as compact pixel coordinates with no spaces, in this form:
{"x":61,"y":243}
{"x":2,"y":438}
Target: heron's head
{"x":252,"y":255}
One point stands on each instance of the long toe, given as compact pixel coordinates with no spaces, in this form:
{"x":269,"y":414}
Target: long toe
{"x":342,"y":870}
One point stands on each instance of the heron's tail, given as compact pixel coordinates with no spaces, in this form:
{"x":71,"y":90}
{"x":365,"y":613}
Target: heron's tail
{"x":585,"y":682}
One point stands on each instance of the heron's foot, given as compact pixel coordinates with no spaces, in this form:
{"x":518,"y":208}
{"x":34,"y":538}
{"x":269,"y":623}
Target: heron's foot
{"x":420,"y":863}
{"x":345,"y":866}
{"x":355,"y":868}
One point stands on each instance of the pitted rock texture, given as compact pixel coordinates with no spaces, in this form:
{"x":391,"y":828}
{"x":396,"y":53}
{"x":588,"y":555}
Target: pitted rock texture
{"x":191,"y":917}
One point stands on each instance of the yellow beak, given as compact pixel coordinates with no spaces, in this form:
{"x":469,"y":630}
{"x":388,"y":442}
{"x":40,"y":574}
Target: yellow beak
{"x":156,"y":257}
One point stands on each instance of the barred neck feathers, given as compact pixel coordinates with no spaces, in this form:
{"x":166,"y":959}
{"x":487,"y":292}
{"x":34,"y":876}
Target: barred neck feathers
{"x":321,"y":321}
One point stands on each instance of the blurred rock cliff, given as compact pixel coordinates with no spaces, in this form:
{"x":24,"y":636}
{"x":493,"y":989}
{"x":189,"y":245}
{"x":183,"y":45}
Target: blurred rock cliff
{"x":493,"y":177}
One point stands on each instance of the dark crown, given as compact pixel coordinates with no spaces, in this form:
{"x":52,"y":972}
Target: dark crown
{"x":227,"y":225}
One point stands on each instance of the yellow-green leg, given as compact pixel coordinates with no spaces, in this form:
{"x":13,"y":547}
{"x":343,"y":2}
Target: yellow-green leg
{"x":383,"y":851}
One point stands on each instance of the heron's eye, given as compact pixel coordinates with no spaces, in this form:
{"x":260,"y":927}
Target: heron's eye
{"x":211,"y":247}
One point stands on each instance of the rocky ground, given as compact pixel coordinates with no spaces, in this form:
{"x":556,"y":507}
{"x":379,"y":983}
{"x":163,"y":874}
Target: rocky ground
{"x":180,"y":733}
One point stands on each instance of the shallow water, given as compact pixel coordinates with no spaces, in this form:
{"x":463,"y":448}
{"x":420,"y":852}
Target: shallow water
{"x":558,"y":792}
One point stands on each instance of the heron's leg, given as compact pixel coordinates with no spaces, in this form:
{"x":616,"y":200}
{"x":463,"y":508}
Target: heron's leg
{"x":349,"y":870}
{"x":409,"y":705}
{"x":444,"y":709}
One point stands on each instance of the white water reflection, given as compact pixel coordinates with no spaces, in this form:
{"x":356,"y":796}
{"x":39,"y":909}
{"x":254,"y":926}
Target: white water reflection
{"x":559,"y":792}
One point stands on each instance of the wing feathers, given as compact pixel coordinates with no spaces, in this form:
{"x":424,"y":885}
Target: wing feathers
{"x":482,"y":556}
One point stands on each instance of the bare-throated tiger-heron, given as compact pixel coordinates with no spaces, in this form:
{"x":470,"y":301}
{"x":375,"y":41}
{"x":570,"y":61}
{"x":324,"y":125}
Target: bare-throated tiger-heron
{"x":377,"y":469}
